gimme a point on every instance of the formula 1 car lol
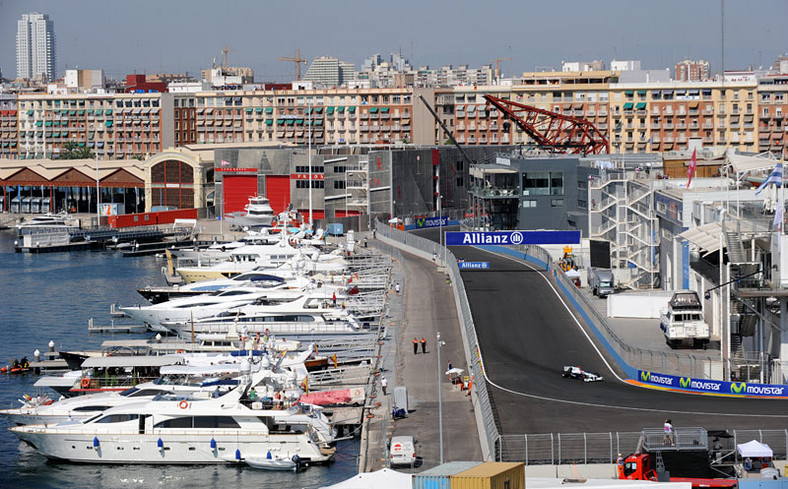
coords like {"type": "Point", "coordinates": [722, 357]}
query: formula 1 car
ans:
{"type": "Point", "coordinates": [571, 372]}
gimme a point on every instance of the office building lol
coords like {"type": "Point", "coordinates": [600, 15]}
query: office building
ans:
{"type": "Point", "coordinates": [690, 70]}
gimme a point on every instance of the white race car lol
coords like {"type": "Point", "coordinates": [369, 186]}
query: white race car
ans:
{"type": "Point", "coordinates": [571, 372]}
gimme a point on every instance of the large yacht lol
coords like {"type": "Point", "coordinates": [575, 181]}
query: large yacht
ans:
{"type": "Point", "coordinates": [312, 315]}
{"type": "Point", "coordinates": [257, 213]}
{"type": "Point", "coordinates": [193, 429]}
{"type": "Point", "coordinates": [46, 221]}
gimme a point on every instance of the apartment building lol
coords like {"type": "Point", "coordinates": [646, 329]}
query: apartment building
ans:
{"type": "Point", "coordinates": [115, 126]}
{"type": "Point", "coordinates": [8, 126]}
{"type": "Point", "coordinates": [667, 116]}
{"type": "Point", "coordinates": [772, 110]}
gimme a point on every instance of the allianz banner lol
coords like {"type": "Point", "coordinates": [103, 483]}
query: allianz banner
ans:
{"type": "Point", "coordinates": [743, 389]}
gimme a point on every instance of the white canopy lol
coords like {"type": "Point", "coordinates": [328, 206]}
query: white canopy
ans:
{"type": "Point", "coordinates": [743, 164]}
{"type": "Point", "coordinates": [706, 237]}
{"type": "Point", "coordinates": [754, 449]}
{"type": "Point", "coordinates": [390, 479]}
{"type": "Point", "coordinates": [572, 273]}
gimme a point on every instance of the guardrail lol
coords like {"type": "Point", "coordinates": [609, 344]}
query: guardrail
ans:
{"type": "Point", "coordinates": [485, 417]}
{"type": "Point", "coordinates": [586, 448]}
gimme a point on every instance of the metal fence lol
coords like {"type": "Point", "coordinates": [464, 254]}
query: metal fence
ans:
{"type": "Point", "coordinates": [586, 448]}
{"type": "Point", "coordinates": [482, 405]}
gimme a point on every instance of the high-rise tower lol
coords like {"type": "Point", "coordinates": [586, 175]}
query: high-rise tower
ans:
{"type": "Point", "coordinates": [35, 46]}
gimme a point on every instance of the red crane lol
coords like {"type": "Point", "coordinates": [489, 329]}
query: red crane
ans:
{"type": "Point", "coordinates": [563, 133]}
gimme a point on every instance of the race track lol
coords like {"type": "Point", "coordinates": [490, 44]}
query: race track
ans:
{"type": "Point", "coordinates": [527, 334]}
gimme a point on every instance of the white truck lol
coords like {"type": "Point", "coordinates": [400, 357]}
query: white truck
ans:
{"type": "Point", "coordinates": [682, 321]}
{"type": "Point", "coordinates": [601, 281]}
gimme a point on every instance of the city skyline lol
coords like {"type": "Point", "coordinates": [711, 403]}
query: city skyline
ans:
{"type": "Point", "coordinates": [93, 35]}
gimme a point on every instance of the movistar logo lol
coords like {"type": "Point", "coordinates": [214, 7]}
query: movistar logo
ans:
{"type": "Point", "coordinates": [685, 382]}
{"type": "Point", "coordinates": [644, 376]}
{"type": "Point", "coordinates": [738, 387]}
{"type": "Point", "coordinates": [420, 221]}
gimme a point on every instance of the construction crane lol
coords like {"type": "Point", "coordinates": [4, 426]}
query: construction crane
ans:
{"type": "Point", "coordinates": [558, 132]}
{"type": "Point", "coordinates": [297, 60]}
{"type": "Point", "coordinates": [225, 52]}
{"type": "Point", "coordinates": [497, 62]}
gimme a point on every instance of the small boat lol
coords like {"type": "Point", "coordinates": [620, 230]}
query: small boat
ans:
{"type": "Point", "coordinates": [270, 462]}
{"type": "Point", "coordinates": [257, 213]}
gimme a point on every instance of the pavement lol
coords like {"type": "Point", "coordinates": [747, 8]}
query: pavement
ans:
{"type": "Point", "coordinates": [424, 306]}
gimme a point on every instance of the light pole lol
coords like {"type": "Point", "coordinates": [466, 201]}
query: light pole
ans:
{"type": "Point", "coordinates": [440, 399]}
{"type": "Point", "coordinates": [310, 108]}
{"type": "Point", "coordinates": [98, 196]}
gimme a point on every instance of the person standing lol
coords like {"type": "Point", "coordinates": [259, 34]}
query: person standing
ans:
{"type": "Point", "coordinates": [449, 366]}
{"type": "Point", "coordinates": [396, 288]}
{"type": "Point", "coordinates": [423, 345]}
{"type": "Point", "coordinates": [384, 384]}
{"type": "Point", "coordinates": [415, 345]}
{"type": "Point", "coordinates": [669, 438]}
{"type": "Point", "coordinates": [334, 298]}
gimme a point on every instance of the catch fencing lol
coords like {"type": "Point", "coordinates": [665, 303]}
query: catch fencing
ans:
{"type": "Point", "coordinates": [590, 448]}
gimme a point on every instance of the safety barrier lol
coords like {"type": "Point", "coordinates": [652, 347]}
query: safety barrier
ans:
{"type": "Point", "coordinates": [485, 418]}
{"type": "Point", "coordinates": [588, 448]}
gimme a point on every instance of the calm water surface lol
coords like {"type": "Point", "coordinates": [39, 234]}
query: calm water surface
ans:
{"type": "Point", "coordinates": [50, 297]}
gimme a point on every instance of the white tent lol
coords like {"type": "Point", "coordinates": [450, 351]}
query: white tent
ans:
{"type": "Point", "coordinates": [754, 449]}
{"type": "Point", "coordinates": [390, 479]}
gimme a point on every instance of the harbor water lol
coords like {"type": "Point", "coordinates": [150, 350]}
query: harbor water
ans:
{"type": "Point", "coordinates": [51, 297]}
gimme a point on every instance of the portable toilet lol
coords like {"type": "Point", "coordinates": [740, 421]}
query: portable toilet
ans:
{"type": "Point", "coordinates": [440, 477]}
{"type": "Point", "coordinates": [46, 207]}
{"type": "Point", "coordinates": [26, 205]}
{"type": "Point", "coordinates": [491, 475]}
{"type": "Point", "coordinates": [15, 205]}
{"type": "Point", "coordinates": [35, 205]}
{"type": "Point", "coordinates": [401, 397]}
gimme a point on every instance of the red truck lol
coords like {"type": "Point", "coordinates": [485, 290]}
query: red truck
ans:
{"type": "Point", "coordinates": [684, 458]}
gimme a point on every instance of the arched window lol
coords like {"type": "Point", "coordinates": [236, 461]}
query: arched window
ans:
{"type": "Point", "coordinates": [172, 184]}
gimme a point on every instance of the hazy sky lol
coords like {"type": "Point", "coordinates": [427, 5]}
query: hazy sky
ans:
{"type": "Point", "coordinates": [186, 35]}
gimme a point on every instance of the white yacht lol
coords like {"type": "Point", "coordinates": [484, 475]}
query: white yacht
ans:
{"type": "Point", "coordinates": [46, 221]}
{"type": "Point", "coordinates": [309, 316]}
{"type": "Point", "coordinates": [245, 259]}
{"type": "Point", "coordinates": [194, 429]}
{"type": "Point", "coordinates": [221, 251]}
{"type": "Point", "coordinates": [258, 278]}
{"type": "Point", "coordinates": [257, 213]}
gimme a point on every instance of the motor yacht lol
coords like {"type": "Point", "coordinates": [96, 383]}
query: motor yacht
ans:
{"type": "Point", "coordinates": [257, 213]}
{"type": "Point", "coordinates": [193, 429]}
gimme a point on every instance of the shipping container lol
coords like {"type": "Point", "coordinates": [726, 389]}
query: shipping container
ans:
{"type": "Point", "coordinates": [150, 218]}
{"type": "Point", "coordinates": [491, 475]}
{"type": "Point", "coordinates": [440, 477]}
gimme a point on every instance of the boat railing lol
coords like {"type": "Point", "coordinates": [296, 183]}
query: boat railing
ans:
{"type": "Point", "coordinates": [113, 382]}
{"type": "Point", "coordinates": [277, 328]}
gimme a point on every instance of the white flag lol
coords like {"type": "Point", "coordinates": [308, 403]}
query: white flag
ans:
{"type": "Point", "coordinates": [778, 214]}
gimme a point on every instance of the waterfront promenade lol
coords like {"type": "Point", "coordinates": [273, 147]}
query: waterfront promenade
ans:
{"type": "Point", "coordinates": [424, 306]}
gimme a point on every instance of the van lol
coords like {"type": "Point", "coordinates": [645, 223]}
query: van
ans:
{"type": "Point", "coordinates": [402, 451]}
{"type": "Point", "coordinates": [601, 282]}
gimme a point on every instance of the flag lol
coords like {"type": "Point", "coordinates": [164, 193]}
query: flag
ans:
{"type": "Point", "coordinates": [778, 215]}
{"type": "Point", "coordinates": [305, 384]}
{"type": "Point", "coordinates": [334, 359]}
{"type": "Point", "coordinates": [692, 168]}
{"type": "Point", "coordinates": [775, 177]}
{"type": "Point", "coordinates": [225, 162]}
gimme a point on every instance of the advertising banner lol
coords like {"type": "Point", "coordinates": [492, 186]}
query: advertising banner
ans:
{"type": "Point", "coordinates": [743, 389]}
{"type": "Point", "coordinates": [473, 265]}
{"type": "Point", "coordinates": [476, 238]}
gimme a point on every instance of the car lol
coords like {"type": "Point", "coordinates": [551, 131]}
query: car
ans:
{"type": "Point", "coordinates": [572, 372]}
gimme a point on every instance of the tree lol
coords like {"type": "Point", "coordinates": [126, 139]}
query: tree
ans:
{"type": "Point", "coordinates": [73, 151]}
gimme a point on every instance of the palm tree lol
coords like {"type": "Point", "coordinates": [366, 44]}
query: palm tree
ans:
{"type": "Point", "coordinates": [73, 151]}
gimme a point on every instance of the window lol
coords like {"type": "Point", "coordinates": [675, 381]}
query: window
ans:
{"type": "Point", "coordinates": [529, 204]}
{"type": "Point", "coordinates": [118, 418]}
{"type": "Point", "coordinates": [460, 182]}
{"type": "Point", "coordinates": [556, 202]}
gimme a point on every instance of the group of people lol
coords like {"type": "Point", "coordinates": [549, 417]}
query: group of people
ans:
{"type": "Point", "coordinates": [23, 363]}
{"type": "Point", "coordinates": [416, 345]}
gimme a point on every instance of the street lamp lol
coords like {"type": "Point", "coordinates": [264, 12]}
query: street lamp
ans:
{"type": "Point", "coordinates": [440, 398]}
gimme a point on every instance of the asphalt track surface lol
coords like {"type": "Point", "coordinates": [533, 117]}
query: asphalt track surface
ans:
{"type": "Point", "coordinates": [527, 334]}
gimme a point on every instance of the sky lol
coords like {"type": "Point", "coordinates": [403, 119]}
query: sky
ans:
{"type": "Point", "coordinates": [175, 36]}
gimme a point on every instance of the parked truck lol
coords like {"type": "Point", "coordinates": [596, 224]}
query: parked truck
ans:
{"type": "Point", "coordinates": [684, 457]}
{"type": "Point", "coordinates": [682, 321]}
{"type": "Point", "coordinates": [601, 281]}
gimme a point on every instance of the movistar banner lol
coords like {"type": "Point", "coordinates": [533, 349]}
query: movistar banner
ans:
{"type": "Point", "coordinates": [743, 389]}
{"type": "Point", "coordinates": [431, 222]}
{"type": "Point", "coordinates": [476, 238]}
